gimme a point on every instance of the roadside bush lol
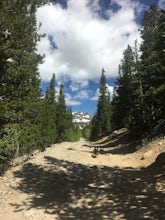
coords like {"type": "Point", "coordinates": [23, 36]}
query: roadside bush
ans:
{"type": "Point", "coordinates": [9, 144]}
{"type": "Point", "coordinates": [73, 134]}
{"type": "Point", "coordinates": [86, 132]}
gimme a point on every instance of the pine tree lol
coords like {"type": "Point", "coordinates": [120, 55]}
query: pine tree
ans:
{"type": "Point", "coordinates": [137, 124]}
{"type": "Point", "coordinates": [51, 92]}
{"type": "Point", "coordinates": [160, 83]}
{"type": "Point", "coordinates": [61, 116]}
{"type": "Point", "coordinates": [153, 67]}
{"type": "Point", "coordinates": [19, 77]}
{"type": "Point", "coordinates": [20, 80]}
{"type": "Point", "coordinates": [138, 102]}
{"type": "Point", "coordinates": [66, 129]}
{"type": "Point", "coordinates": [47, 115]}
{"type": "Point", "coordinates": [123, 100]}
{"type": "Point", "coordinates": [101, 123]}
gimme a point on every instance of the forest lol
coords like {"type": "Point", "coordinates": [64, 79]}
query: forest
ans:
{"type": "Point", "coordinates": [138, 99]}
{"type": "Point", "coordinates": [29, 121]}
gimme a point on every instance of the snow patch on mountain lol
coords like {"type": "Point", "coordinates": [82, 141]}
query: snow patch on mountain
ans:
{"type": "Point", "coordinates": [81, 119]}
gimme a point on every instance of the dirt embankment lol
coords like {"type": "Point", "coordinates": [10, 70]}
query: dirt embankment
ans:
{"type": "Point", "coordinates": [72, 181]}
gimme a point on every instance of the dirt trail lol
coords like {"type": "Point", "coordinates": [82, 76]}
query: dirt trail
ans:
{"type": "Point", "coordinates": [67, 181]}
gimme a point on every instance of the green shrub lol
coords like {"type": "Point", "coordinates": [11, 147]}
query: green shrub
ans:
{"type": "Point", "coordinates": [73, 134]}
{"type": "Point", "coordinates": [86, 133]}
{"type": "Point", "coordinates": [9, 143]}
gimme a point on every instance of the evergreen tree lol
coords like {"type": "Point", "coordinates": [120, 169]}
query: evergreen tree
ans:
{"type": "Point", "coordinates": [153, 67]}
{"type": "Point", "coordinates": [47, 115]}
{"type": "Point", "coordinates": [137, 124]}
{"type": "Point", "coordinates": [63, 116]}
{"type": "Point", "coordinates": [19, 77]}
{"type": "Point", "coordinates": [138, 102]}
{"type": "Point", "coordinates": [51, 92]}
{"type": "Point", "coordinates": [101, 123]}
{"type": "Point", "coordinates": [123, 100]}
{"type": "Point", "coordinates": [160, 82]}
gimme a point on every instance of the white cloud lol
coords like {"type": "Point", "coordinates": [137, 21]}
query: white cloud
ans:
{"type": "Point", "coordinates": [85, 42]}
{"type": "Point", "coordinates": [70, 101]}
{"type": "Point", "coordinates": [161, 4]}
{"type": "Point", "coordinates": [76, 85]}
{"type": "Point", "coordinates": [82, 94]}
{"type": "Point", "coordinates": [76, 99]}
{"type": "Point", "coordinates": [95, 97]}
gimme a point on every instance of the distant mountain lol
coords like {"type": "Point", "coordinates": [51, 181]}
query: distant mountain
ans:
{"type": "Point", "coordinates": [82, 119]}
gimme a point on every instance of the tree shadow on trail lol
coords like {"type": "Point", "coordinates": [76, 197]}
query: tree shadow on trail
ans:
{"type": "Point", "coordinates": [120, 143]}
{"type": "Point", "coordinates": [74, 191]}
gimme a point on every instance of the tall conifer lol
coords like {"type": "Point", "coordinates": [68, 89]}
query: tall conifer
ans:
{"type": "Point", "coordinates": [101, 123]}
{"type": "Point", "coordinates": [152, 62]}
{"type": "Point", "coordinates": [19, 77]}
{"type": "Point", "coordinates": [123, 101]}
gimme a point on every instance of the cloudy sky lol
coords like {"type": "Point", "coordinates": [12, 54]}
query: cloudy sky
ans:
{"type": "Point", "coordinates": [84, 36]}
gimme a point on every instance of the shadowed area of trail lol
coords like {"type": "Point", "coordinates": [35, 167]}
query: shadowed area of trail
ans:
{"type": "Point", "coordinates": [67, 190]}
{"type": "Point", "coordinates": [65, 182]}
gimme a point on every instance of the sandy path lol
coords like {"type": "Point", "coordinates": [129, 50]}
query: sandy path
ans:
{"type": "Point", "coordinates": [65, 182]}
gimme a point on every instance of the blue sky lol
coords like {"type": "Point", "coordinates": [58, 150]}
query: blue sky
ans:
{"type": "Point", "coordinates": [82, 37]}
